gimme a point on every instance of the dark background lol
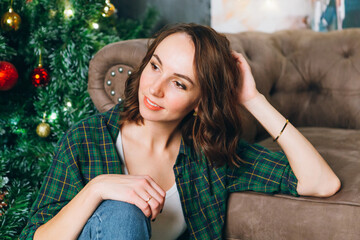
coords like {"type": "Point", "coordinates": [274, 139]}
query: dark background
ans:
{"type": "Point", "coordinates": [169, 11]}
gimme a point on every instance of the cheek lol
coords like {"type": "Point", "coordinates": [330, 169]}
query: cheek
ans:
{"type": "Point", "coordinates": [181, 103]}
{"type": "Point", "coordinates": [145, 75]}
{"type": "Point", "coordinates": [143, 83]}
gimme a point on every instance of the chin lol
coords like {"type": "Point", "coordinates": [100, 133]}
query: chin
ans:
{"type": "Point", "coordinates": [152, 116]}
{"type": "Point", "coordinates": [149, 115]}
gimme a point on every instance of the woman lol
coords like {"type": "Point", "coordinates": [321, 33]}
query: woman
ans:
{"type": "Point", "coordinates": [178, 137]}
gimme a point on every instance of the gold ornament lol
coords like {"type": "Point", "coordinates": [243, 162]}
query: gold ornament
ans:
{"type": "Point", "coordinates": [10, 21]}
{"type": "Point", "coordinates": [109, 9]}
{"type": "Point", "coordinates": [43, 129]}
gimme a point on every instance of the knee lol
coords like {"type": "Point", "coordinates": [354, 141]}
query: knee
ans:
{"type": "Point", "coordinates": [120, 212]}
{"type": "Point", "coordinates": [117, 220]}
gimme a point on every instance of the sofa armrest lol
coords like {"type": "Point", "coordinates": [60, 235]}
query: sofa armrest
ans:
{"type": "Point", "coordinates": [110, 68]}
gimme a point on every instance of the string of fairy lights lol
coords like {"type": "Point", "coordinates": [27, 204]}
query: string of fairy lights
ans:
{"type": "Point", "coordinates": [11, 22]}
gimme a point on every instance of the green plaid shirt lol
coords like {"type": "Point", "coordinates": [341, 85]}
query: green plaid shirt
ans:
{"type": "Point", "coordinates": [88, 149]}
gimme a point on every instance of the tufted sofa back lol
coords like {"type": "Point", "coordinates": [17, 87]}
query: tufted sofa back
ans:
{"type": "Point", "coordinates": [312, 78]}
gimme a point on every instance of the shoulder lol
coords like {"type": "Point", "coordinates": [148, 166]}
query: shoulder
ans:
{"type": "Point", "coordinates": [94, 125]}
{"type": "Point", "coordinates": [110, 117]}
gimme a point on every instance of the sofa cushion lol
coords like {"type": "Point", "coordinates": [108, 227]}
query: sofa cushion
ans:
{"type": "Point", "coordinates": [312, 78]}
{"type": "Point", "coordinates": [255, 216]}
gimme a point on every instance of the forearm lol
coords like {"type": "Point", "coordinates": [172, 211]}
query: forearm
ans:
{"type": "Point", "coordinates": [69, 222]}
{"type": "Point", "coordinates": [314, 175]}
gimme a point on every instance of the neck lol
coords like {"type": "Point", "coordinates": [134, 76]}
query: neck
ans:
{"type": "Point", "coordinates": [157, 136]}
{"type": "Point", "coordinates": [161, 135]}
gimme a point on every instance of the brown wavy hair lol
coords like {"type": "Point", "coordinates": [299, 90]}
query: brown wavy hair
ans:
{"type": "Point", "coordinates": [216, 129]}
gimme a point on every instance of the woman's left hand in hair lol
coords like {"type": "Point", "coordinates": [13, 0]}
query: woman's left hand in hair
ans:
{"type": "Point", "coordinates": [247, 90]}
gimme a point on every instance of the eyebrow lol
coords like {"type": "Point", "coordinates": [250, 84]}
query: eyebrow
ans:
{"type": "Point", "coordinates": [176, 74]}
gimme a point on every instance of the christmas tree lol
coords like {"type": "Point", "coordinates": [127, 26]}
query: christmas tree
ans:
{"type": "Point", "coordinates": [45, 49]}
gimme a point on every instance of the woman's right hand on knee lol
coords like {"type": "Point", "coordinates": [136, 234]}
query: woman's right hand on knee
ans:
{"type": "Point", "coordinates": [142, 191]}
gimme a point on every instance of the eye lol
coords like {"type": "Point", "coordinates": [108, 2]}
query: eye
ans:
{"type": "Point", "coordinates": [154, 66]}
{"type": "Point", "coordinates": [180, 85]}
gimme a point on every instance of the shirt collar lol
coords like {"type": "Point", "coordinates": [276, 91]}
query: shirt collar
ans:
{"type": "Point", "coordinates": [183, 147]}
{"type": "Point", "coordinates": [187, 151]}
{"type": "Point", "coordinates": [112, 118]}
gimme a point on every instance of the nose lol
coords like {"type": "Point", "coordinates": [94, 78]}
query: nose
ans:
{"type": "Point", "coordinates": [157, 88]}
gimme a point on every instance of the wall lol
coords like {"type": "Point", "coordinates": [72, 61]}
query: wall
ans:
{"type": "Point", "coordinates": [239, 15]}
{"type": "Point", "coordinates": [170, 11]}
{"type": "Point", "coordinates": [259, 15]}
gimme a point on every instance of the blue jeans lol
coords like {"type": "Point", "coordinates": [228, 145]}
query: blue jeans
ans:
{"type": "Point", "coordinates": [117, 220]}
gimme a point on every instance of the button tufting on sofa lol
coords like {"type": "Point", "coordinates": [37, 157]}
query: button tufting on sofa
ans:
{"type": "Point", "coordinates": [314, 87]}
{"type": "Point", "coordinates": [347, 54]}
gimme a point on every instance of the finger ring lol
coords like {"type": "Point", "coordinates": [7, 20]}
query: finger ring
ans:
{"type": "Point", "coordinates": [148, 199]}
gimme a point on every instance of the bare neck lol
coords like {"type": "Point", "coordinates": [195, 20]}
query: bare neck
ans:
{"type": "Point", "coordinates": [156, 136]}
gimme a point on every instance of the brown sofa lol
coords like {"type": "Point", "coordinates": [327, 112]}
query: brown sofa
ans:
{"type": "Point", "coordinates": [311, 78]}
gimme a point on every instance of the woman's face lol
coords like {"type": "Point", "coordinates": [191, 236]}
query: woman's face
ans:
{"type": "Point", "coordinates": [168, 89]}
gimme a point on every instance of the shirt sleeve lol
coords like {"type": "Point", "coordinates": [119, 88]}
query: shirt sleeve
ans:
{"type": "Point", "coordinates": [261, 170]}
{"type": "Point", "coordinates": [58, 187]}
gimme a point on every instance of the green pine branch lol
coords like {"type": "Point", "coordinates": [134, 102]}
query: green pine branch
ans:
{"type": "Point", "coordinates": [66, 44]}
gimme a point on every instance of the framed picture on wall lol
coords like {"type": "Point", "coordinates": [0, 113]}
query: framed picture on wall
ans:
{"type": "Point", "coordinates": [259, 15]}
{"type": "Point", "coordinates": [341, 14]}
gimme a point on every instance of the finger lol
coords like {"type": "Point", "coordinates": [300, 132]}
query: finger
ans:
{"type": "Point", "coordinates": [244, 65]}
{"type": "Point", "coordinates": [155, 186]}
{"type": "Point", "coordinates": [237, 55]}
{"type": "Point", "coordinates": [138, 201]}
{"type": "Point", "coordinates": [152, 202]}
{"type": "Point", "coordinates": [156, 192]}
{"type": "Point", "coordinates": [147, 183]}
{"type": "Point", "coordinates": [146, 191]}
{"type": "Point", "coordinates": [242, 59]}
{"type": "Point", "coordinates": [155, 207]}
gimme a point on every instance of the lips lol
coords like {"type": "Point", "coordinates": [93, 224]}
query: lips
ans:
{"type": "Point", "coordinates": [151, 105]}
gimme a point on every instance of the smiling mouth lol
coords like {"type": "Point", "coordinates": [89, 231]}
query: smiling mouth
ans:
{"type": "Point", "coordinates": [152, 106]}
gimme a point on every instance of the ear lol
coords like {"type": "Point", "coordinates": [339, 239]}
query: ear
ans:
{"type": "Point", "coordinates": [196, 108]}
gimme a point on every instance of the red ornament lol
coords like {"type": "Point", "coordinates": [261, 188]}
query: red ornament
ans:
{"type": "Point", "coordinates": [40, 77]}
{"type": "Point", "coordinates": [8, 76]}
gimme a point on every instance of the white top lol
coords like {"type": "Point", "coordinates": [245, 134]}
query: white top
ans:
{"type": "Point", "coordinates": [170, 223]}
